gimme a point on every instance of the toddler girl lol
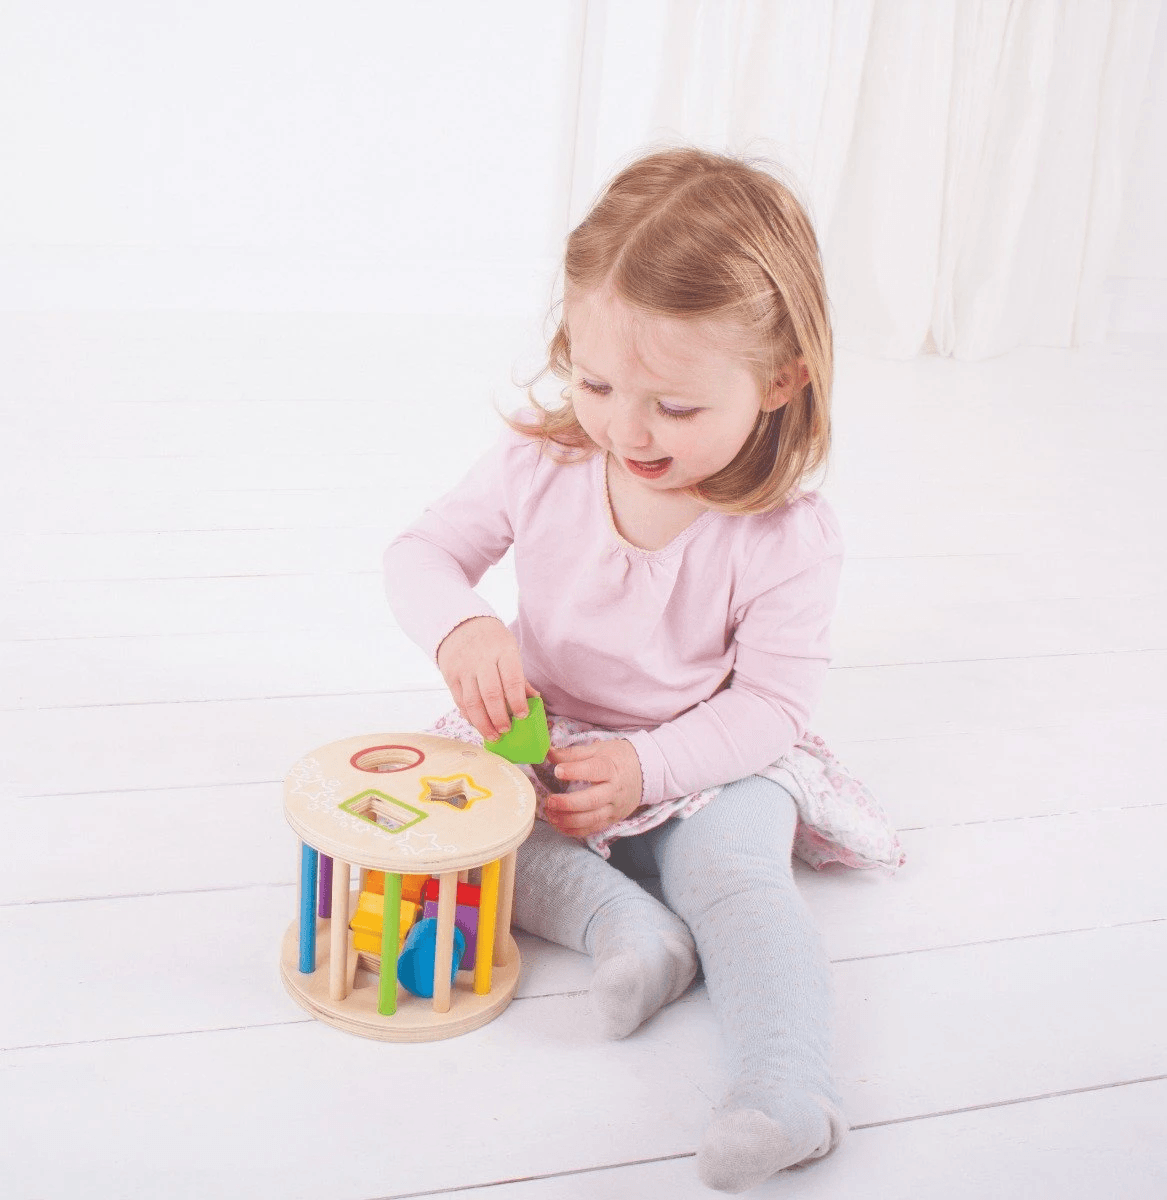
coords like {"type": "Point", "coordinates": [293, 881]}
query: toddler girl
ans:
{"type": "Point", "coordinates": [675, 593]}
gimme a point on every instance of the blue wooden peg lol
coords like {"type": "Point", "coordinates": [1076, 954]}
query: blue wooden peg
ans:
{"type": "Point", "coordinates": [308, 857]}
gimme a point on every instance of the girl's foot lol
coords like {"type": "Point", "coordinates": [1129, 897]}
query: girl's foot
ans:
{"type": "Point", "coordinates": [644, 957]}
{"type": "Point", "coordinates": [744, 1147]}
{"type": "Point", "coordinates": [641, 971]}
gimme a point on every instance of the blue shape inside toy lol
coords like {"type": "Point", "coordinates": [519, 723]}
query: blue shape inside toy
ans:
{"type": "Point", "coordinates": [415, 965]}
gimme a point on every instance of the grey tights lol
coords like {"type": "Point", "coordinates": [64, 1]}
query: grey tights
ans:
{"type": "Point", "coordinates": [729, 897]}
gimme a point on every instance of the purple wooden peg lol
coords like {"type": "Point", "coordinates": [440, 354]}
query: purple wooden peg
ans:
{"type": "Point", "coordinates": [465, 919]}
{"type": "Point", "coordinates": [325, 908]}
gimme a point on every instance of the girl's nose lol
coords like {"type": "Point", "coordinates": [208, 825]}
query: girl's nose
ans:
{"type": "Point", "coordinates": [629, 429]}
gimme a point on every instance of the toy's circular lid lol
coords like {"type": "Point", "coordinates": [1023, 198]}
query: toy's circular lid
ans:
{"type": "Point", "coordinates": [409, 802]}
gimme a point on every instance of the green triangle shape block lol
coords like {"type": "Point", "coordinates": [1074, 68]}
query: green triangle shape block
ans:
{"type": "Point", "coordinates": [528, 739]}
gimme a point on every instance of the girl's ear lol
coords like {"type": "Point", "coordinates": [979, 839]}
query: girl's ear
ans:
{"type": "Point", "coordinates": [791, 380]}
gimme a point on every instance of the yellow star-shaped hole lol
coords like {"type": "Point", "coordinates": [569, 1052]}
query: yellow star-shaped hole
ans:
{"type": "Point", "coordinates": [458, 791]}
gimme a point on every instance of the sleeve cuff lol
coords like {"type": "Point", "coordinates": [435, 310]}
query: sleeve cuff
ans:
{"type": "Point", "coordinates": [652, 767]}
{"type": "Point", "coordinates": [448, 626]}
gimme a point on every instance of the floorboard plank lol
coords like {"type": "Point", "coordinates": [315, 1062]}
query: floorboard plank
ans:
{"type": "Point", "coordinates": [1005, 879]}
{"type": "Point", "coordinates": [922, 532]}
{"type": "Point", "coordinates": [341, 655]}
{"type": "Point", "coordinates": [1076, 1147]}
{"type": "Point", "coordinates": [142, 746]}
{"type": "Point", "coordinates": [962, 884]}
{"type": "Point", "coordinates": [875, 593]}
{"type": "Point", "coordinates": [142, 966]}
{"type": "Point", "coordinates": [998, 774]}
{"type": "Point", "coordinates": [66, 557]}
{"type": "Point", "coordinates": [136, 747]}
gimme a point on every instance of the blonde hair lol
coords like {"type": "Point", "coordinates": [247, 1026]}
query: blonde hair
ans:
{"type": "Point", "coordinates": [689, 234]}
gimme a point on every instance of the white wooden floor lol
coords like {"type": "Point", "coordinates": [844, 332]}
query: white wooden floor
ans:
{"type": "Point", "coordinates": [193, 511]}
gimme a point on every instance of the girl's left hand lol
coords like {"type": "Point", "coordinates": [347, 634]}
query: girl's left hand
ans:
{"type": "Point", "coordinates": [613, 768]}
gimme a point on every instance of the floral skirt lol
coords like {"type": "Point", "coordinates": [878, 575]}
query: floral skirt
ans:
{"type": "Point", "coordinates": [839, 820]}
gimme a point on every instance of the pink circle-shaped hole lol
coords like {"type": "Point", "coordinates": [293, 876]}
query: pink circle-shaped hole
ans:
{"type": "Point", "coordinates": [383, 759]}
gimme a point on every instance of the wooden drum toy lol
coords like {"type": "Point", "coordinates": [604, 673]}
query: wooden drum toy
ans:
{"type": "Point", "coordinates": [423, 948]}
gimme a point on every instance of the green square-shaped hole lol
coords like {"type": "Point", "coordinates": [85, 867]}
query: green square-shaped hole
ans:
{"type": "Point", "coordinates": [386, 812]}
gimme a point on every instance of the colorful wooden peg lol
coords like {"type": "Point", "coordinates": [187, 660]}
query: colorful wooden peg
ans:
{"type": "Point", "coordinates": [487, 913]}
{"type": "Point", "coordinates": [308, 857]}
{"type": "Point", "coordinates": [325, 907]}
{"type": "Point", "coordinates": [390, 920]}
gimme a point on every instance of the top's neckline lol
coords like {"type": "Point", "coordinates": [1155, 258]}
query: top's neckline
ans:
{"type": "Point", "coordinates": [600, 474]}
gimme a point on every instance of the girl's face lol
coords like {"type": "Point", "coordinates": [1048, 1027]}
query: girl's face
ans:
{"type": "Point", "coordinates": [662, 396]}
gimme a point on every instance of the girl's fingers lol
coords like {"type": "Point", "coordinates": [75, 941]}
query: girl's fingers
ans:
{"type": "Point", "coordinates": [475, 712]}
{"type": "Point", "coordinates": [494, 700]}
{"type": "Point", "coordinates": [585, 800]}
{"type": "Point", "coordinates": [514, 686]}
{"type": "Point", "coordinates": [591, 769]}
{"type": "Point", "coordinates": [573, 753]}
{"type": "Point", "coordinates": [581, 812]}
{"type": "Point", "coordinates": [584, 824]}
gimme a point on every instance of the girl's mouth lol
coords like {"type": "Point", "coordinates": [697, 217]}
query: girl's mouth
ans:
{"type": "Point", "coordinates": [648, 470]}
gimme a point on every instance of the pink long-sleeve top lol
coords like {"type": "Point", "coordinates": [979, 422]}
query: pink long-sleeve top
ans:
{"type": "Point", "coordinates": [710, 653]}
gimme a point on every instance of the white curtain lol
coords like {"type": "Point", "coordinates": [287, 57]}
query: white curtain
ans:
{"type": "Point", "coordinates": [963, 160]}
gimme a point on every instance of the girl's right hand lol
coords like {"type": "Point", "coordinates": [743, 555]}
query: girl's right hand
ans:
{"type": "Point", "coordinates": [479, 660]}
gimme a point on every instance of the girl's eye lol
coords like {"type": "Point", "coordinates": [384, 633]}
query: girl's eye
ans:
{"type": "Point", "coordinates": [678, 414]}
{"type": "Point", "coordinates": [667, 410]}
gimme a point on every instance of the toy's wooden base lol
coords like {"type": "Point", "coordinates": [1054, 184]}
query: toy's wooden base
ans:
{"type": "Point", "coordinates": [415, 1019]}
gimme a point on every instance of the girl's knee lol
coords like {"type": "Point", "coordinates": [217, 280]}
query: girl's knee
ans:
{"type": "Point", "coordinates": [544, 840]}
{"type": "Point", "coordinates": [751, 821]}
{"type": "Point", "coordinates": [739, 843]}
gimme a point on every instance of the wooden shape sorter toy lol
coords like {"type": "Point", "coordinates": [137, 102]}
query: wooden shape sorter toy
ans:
{"type": "Point", "coordinates": [412, 812]}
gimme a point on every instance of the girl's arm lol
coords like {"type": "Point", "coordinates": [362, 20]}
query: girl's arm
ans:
{"type": "Point", "coordinates": [431, 569]}
{"type": "Point", "coordinates": [780, 668]}
{"type": "Point", "coordinates": [782, 654]}
{"type": "Point", "coordinates": [430, 573]}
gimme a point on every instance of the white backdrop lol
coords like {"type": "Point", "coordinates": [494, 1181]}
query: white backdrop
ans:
{"type": "Point", "coordinates": [965, 161]}
{"type": "Point", "coordinates": [983, 174]}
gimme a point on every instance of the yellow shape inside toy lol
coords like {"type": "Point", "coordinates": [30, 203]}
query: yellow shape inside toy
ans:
{"type": "Point", "coordinates": [369, 920]}
{"type": "Point", "coordinates": [458, 791]}
{"type": "Point", "coordinates": [411, 885]}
